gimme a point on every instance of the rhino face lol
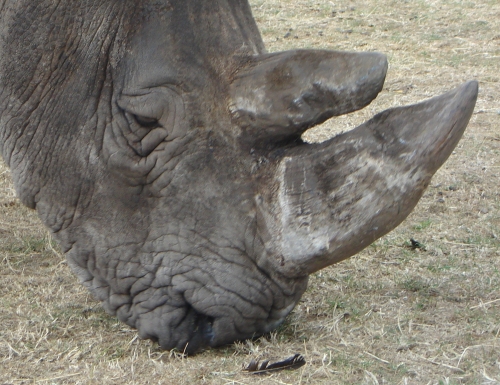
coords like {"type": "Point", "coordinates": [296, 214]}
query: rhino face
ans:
{"type": "Point", "coordinates": [161, 146]}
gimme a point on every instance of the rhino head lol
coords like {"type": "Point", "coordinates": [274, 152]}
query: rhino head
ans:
{"type": "Point", "coordinates": [161, 145]}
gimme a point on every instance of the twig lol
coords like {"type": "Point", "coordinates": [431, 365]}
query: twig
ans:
{"type": "Point", "coordinates": [371, 12]}
{"type": "Point", "coordinates": [399, 323]}
{"type": "Point", "coordinates": [58, 378]}
{"type": "Point", "coordinates": [232, 381]}
{"type": "Point", "coordinates": [441, 364]}
{"type": "Point", "coordinates": [11, 349]}
{"type": "Point", "coordinates": [6, 259]}
{"type": "Point", "coordinates": [471, 347]}
{"type": "Point", "coordinates": [485, 303]}
{"type": "Point", "coordinates": [51, 248]}
{"type": "Point", "coordinates": [489, 378]}
{"type": "Point", "coordinates": [458, 244]}
{"type": "Point", "coordinates": [377, 358]}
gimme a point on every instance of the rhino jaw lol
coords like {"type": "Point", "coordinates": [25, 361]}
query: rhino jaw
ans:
{"type": "Point", "coordinates": [335, 198]}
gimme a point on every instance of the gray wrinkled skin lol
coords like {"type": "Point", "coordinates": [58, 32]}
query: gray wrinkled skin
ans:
{"type": "Point", "coordinates": [161, 146]}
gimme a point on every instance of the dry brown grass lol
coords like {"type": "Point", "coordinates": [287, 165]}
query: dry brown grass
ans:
{"type": "Point", "coordinates": [389, 315]}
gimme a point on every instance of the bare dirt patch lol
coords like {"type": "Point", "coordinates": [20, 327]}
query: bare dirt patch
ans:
{"type": "Point", "coordinates": [390, 315]}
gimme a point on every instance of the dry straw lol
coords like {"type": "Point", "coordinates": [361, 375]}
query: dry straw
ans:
{"type": "Point", "coordinates": [390, 315]}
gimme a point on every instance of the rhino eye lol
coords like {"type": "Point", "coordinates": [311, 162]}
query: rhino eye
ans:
{"type": "Point", "coordinates": [146, 122]}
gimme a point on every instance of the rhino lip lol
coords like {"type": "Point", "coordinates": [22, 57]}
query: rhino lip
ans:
{"type": "Point", "coordinates": [335, 198]}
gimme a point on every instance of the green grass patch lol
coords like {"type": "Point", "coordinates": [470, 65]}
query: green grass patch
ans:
{"type": "Point", "coordinates": [423, 225]}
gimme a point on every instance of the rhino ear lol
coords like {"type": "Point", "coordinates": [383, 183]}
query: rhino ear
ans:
{"type": "Point", "coordinates": [276, 97]}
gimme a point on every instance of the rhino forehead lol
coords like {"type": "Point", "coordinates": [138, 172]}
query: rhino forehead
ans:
{"type": "Point", "coordinates": [47, 44]}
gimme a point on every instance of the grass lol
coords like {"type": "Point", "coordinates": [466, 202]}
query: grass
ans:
{"type": "Point", "coordinates": [390, 315]}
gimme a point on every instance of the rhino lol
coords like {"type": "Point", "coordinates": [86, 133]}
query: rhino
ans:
{"type": "Point", "coordinates": [162, 147]}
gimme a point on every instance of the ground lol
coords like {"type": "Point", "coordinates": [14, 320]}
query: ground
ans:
{"type": "Point", "coordinates": [390, 315]}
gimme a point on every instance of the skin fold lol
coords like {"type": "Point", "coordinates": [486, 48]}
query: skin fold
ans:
{"type": "Point", "coordinates": [161, 145]}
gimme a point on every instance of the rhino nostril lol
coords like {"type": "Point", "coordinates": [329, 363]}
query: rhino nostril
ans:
{"type": "Point", "coordinates": [204, 325]}
{"type": "Point", "coordinates": [202, 334]}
